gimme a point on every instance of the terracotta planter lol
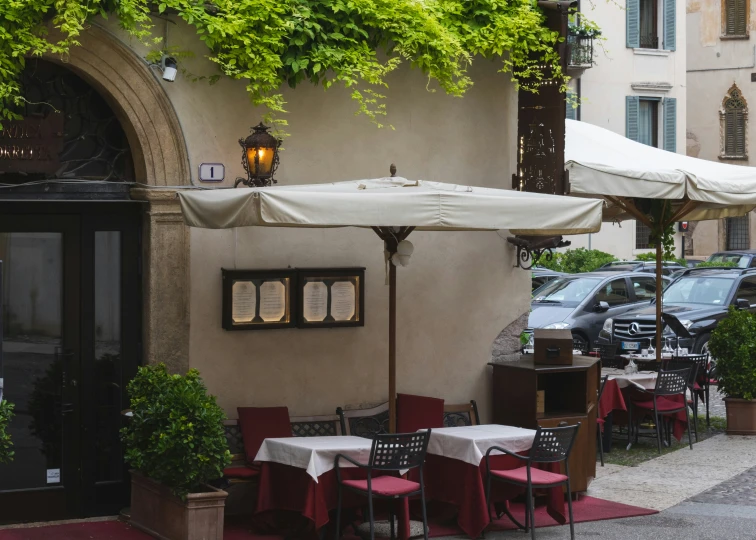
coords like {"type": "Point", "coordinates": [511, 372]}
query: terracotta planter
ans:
{"type": "Point", "coordinates": [741, 416]}
{"type": "Point", "coordinates": [156, 511]}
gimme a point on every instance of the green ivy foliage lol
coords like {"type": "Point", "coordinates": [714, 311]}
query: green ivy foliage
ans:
{"type": "Point", "coordinates": [726, 264]}
{"type": "Point", "coordinates": [733, 344]}
{"type": "Point", "coordinates": [175, 435]}
{"type": "Point", "coordinates": [577, 260]}
{"type": "Point", "coordinates": [6, 445]}
{"type": "Point", "coordinates": [268, 43]}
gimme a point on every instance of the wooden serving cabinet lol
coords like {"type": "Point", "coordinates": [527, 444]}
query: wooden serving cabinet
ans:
{"type": "Point", "coordinates": [569, 394]}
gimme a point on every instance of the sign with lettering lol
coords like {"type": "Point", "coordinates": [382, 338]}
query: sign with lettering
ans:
{"type": "Point", "coordinates": [31, 145]}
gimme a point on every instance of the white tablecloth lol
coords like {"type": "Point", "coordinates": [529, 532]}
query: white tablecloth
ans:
{"type": "Point", "coordinates": [642, 380]}
{"type": "Point", "coordinates": [470, 443]}
{"type": "Point", "coordinates": [315, 454]}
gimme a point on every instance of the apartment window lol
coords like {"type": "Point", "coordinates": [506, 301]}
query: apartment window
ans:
{"type": "Point", "coordinates": [643, 116]}
{"type": "Point", "coordinates": [733, 117]}
{"type": "Point", "coordinates": [649, 33]}
{"type": "Point", "coordinates": [650, 24]}
{"type": "Point", "coordinates": [736, 233]}
{"type": "Point", "coordinates": [735, 18]}
{"type": "Point", "coordinates": [642, 233]}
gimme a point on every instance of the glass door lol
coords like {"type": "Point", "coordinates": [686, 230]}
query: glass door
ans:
{"type": "Point", "coordinates": [40, 365]}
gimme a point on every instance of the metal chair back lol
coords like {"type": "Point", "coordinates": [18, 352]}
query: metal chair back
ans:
{"type": "Point", "coordinates": [695, 364]}
{"type": "Point", "coordinates": [608, 356]}
{"type": "Point", "coordinates": [601, 388]}
{"type": "Point", "coordinates": [553, 444]}
{"type": "Point", "coordinates": [399, 451]}
{"type": "Point", "coordinates": [672, 382]}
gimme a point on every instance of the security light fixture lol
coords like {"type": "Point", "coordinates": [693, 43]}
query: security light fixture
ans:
{"type": "Point", "coordinates": [259, 157]}
{"type": "Point", "coordinates": [168, 66]}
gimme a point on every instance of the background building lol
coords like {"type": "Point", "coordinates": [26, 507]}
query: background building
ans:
{"type": "Point", "coordinates": [721, 74]}
{"type": "Point", "coordinates": [636, 87]}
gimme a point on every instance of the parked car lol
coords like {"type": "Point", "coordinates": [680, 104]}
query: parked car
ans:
{"type": "Point", "coordinates": [648, 267]}
{"type": "Point", "coordinates": [582, 302]}
{"type": "Point", "coordinates": [743, 258]}
{"type": "Point", "coordinates": [541, 275]}
{"type": "Point", "coordinates": [699, 298]}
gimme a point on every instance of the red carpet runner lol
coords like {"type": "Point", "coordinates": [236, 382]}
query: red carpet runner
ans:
{"type": "Point", "coordinates": [587, 509]}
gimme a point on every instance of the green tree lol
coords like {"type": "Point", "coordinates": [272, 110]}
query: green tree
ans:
{"type": "Point", "coordinates": [6, 445]}
{"type": "Point", "coordinates": [733, 344]}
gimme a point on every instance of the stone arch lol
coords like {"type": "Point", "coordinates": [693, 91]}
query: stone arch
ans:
{"type": "Point", "coordinates": [142, 106]}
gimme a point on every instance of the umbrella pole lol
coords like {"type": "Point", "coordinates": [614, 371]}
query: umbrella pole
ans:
{"type": "Point", "coordinates": [659, 285]}
{"type": "Point", "coordinates": [392, 348]}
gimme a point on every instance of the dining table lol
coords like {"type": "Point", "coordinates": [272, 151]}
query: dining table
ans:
{"type": "Point", "coordinates": [297, 474]}
{"type": "Point", "coordinates": [455, 471]}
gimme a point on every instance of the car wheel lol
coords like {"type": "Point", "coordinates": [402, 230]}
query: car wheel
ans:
{"type": "Point", "coordinates": [702, 347]}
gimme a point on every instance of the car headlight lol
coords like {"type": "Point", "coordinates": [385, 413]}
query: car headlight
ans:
{"type": "Point", "coordinates": [557, 326]}
{"type": "Point", "coordinates": [608, 326]}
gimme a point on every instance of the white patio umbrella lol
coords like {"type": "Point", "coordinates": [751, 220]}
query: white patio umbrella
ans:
{"type": "Point", "coordinates": [393, 208]}
{"type": "Point", "coordinates": [654, 186]}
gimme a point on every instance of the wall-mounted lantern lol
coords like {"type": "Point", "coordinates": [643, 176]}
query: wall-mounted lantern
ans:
{"type": "Point", "coordinates": [259, 157]}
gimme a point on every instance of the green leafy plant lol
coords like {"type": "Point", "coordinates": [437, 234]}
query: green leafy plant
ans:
{"type": "Point", "coordinates": [175, 435]}
{"type": "Point", "coordinates": [269, 43]}
{"type": "Point", "coordinates": [6, 445]}
{"type": "Point", "coordinates": [733, 344]}
{"type": "Point", "coordinates": [577, 260]}
{"type": "Point", "coordinates": [651, 257]}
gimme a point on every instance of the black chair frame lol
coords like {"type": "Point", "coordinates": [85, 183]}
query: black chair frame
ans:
{"type": "Point", "coordinates": [699, 363]}
{"type": "Point", "coordinates": [550, 445]}
{"type": "Point", "coordinates": [389, 453]}
{"type": "Point", "coordinates": [668, 383]}
{"type": "Point", "coordinates": [609, 357]}
{"type": "Point", "coordinates": [598, 425]}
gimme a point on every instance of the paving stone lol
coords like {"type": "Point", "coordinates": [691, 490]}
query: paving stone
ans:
{"type": "Point", "coordinates": [740, 490]}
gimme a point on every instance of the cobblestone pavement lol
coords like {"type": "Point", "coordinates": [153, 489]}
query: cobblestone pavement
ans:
{"type": "Point", "coordinates": [740, 490]}
{"type": "Point", "coordinates": [716, 404]}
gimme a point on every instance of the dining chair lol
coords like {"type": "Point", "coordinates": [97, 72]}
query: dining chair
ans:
{"type": "Point", "coordinates": [600, 421]}
{"type": "Point", "coordinates": [669, 383]}
{"type": "Point", "coordinates": [260, 423]}
{"type": "Point", "coordinates": [609, 357]}
{"type": "Point", "coordinates": [397, 453]}
{"type": "Point", "coordinates": [550, 445]}
{"type": "Point", "coordinates": [698, 363]}
{"type": "Point", "coordinates": [418, 412]}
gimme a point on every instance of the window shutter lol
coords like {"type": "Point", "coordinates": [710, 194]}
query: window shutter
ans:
{"type": "Point", "coordinates": [632, 104]}
{"type": "Point", "coordinates": [670, 25]}
{"type": "Point", "coordinates": [670, 124]}
{"type": "Point", "coordinates": [633, 23]}
{"type": "Point", "coordinates": [736, 18]}
{"type": "Point", "coordinates": [571, 111]}
{"type": "Point", "coordinates": [735, 133]}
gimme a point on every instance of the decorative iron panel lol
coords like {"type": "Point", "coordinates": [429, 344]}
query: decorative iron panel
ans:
{"type": "Point", "coordinates": [315, 429]}
{"type": "Point", "coordinates": [234, 438]}
{"type": "Point", "coordinates": [455, 419]}
{"type": "Point", "coordinates": [95, 146]}
{"type": "Point", "coordinates": [369, 426]}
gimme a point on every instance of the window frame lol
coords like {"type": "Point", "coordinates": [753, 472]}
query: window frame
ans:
{"type": "Point", "coordinates": [751, 281]}
{"type": "Point", "coordinates": [651, 279]}
{"type": "Point", "coordinates": [640, 225]}
{"type": "Point", "coordinates": [654, 46]}
{"type": "Point", "coordinates": [733, 101]}
{"type": "Point", "coordinates": [607, 284]}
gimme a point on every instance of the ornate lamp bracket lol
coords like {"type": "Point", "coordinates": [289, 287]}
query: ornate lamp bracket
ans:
{"type": "Point", "coordinates": [530, 249]}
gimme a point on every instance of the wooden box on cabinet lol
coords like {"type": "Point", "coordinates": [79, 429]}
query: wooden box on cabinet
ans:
{"type": "Point", "coordinates": [571, 393]}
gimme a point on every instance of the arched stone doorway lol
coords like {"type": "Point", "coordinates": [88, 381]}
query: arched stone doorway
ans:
{"type": "Point", "coordinates": [97, 252]}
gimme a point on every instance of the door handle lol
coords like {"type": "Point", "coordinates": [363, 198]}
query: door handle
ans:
{"type": "Point", "coordinates": [65, 356]}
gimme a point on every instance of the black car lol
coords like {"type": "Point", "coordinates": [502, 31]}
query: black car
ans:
{"type": "Point", "coordinates": [699, 298]}
{"type": "Point", "coordinates": [647, 267]}
{"type": "Point", "coordinates": [745, 258]}
{"type": "Point", "coordinates": [581, 302]}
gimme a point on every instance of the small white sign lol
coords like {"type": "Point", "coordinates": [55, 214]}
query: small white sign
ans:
{"type": "Point", "coordinates": [53, 476]}
{"type": "Point", "coordinates": [212, 172]}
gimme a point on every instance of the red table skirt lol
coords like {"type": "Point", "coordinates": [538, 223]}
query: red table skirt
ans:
{"type": "Point", "coordinates": [611, 400]}
{"type": "Point", "coordinates": [463, 485]}
{"type": "Point", "coordinates": [287, 488]}
{"type": "Point", "coordinates": [680, 418]}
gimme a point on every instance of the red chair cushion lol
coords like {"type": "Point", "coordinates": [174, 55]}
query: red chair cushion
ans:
{"type": "Point", "coordinates": [662, 404]}
{"type": "Point", "coordinates": [537, 476]}
{"type": "Point", "coordinates": [418, 412]}
{"type": "Point", "coordinates": [241, 472]}
{"type": "Point", "coordinates": [260, 423]}
{"type": "Point", "coordinates": [389, 486]}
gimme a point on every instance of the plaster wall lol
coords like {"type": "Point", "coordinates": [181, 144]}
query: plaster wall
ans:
{"type": "Point", "coordinates": [714, 65]}
{"type": "Point", "coordinates": [458, 293]}
{"type": "Point", "coordinates": [619, 72]}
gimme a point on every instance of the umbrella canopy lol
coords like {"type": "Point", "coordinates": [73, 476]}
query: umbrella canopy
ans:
{"type": "Point", "coordinates": [390, 202]}
{"type": "Point", "coordinates": [628, 174]}
{"type": "Point", "coordinates": [605, 164]}
{"type": "Point", "coordinates": [393, 208]}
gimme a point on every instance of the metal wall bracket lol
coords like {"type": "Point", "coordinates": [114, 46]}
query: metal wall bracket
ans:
{"type": "Point", "coordinates": [530, 249]}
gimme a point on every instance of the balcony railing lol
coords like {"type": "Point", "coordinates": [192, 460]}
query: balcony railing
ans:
{"type": "Point", "coordinates": [581, 51]}
{"type": "Point", "coordinates": [649, 42]}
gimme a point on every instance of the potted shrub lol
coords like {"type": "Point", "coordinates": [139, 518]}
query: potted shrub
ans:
{"type": "Point", "coordinates": [6, 445]}
{"type": "Point", "coordinates": [176, 444]}
{"type": "Point", "coordinates": [733, 344]}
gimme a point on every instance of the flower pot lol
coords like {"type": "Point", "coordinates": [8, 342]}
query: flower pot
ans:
{"type": "Point", "coordinates": [741, 416]}
{"type": "Point", "coordinates": [158, 512]}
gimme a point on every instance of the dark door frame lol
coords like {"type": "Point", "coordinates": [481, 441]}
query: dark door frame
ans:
{"type": "Point", "coordinates": [80, 495]}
